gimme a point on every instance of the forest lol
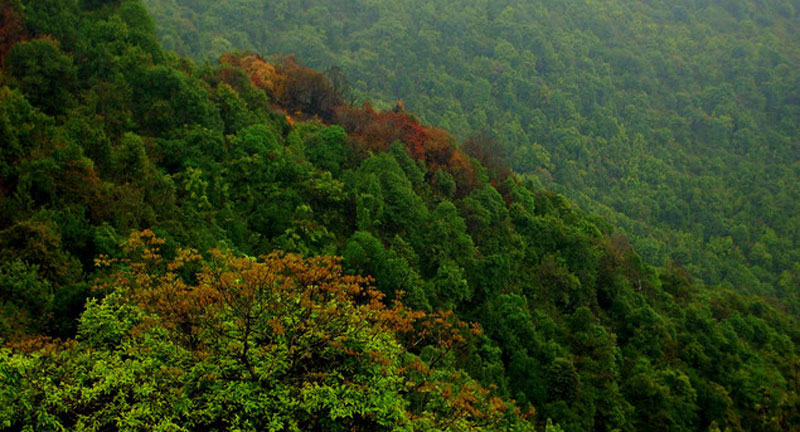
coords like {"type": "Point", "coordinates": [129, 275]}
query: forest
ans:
{"type": "Point", "coordinates": [677, 121]}
{"type": "Point", "coordinates": [251, 244]}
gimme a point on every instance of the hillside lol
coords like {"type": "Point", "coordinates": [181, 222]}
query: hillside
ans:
{"type": "Point", "coordinates": [237, 247]}
{"type": "Point", "coordinates": [678, 121]}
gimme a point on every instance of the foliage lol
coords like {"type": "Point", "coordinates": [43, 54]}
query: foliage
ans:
{"type": "Point", "coordinates": [242, 159]}
{"type": "Point", "coordinates": [678, 121]}
{"type": "Point", "coordinates": [45, 74]}
{"type": "Point", "coordinates": [281, 343]}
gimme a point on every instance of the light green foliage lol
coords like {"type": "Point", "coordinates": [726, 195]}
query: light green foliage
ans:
{"type": "Point", "coordinates": [280, 344]}
{"type": "Point", "coordinates": [233, 109]}
{"type": "Point", "coordinates": [402, 207]}
{"type": "Point", "coordinates": [105, 324]}
{"type": "Point", "coordinates": [446, 237]}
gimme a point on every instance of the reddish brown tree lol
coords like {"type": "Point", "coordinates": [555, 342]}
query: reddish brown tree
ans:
{"type": "Point", "coordinates": [12, 28]}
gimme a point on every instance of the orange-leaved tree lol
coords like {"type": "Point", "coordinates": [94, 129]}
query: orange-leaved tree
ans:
{"type": "Point", "coordinates": [301, 90]}
{"type": "Point", "coordinates": [293, 87]}
{"type": "Point", "coordinates": [231, 342]}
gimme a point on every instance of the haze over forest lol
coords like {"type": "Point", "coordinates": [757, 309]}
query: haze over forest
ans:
{"type": "Point", "coordinates": [677, 121]}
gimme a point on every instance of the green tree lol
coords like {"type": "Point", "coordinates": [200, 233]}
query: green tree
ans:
{"type": "Point", "coordinates": [44, 74]}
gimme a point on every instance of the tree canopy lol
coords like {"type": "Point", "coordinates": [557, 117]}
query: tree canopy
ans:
{"type": "Point", "coordinates": [238, 246]}
{"type": "Point", "coordinates": [677, 121]}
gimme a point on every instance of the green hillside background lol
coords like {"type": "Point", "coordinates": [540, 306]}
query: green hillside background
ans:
{"type": "Point", "coordinates": [677, 121]}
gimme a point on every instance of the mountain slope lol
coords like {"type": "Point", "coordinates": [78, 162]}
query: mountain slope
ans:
{"type": "Point", "coordinates": [678, 121]}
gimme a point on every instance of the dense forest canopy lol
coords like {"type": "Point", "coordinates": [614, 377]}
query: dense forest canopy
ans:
{"type": "Point", "coordinates": [239, 246]}
{"type": "Point", "coordinates": [678, 121]}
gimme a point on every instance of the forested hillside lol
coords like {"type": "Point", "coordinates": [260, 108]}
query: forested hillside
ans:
{"type": "Point", "coordinates": [235, 246]}
{"type": "Point", "coordinates": [678, 121]}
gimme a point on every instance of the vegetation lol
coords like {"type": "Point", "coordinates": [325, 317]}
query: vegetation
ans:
{"type": "Point", "coordinates": [137, 188]}
{"type": "Point", "coordinates": [677, 121]}
{"type": "Point", "coordinates": [280, 344]}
